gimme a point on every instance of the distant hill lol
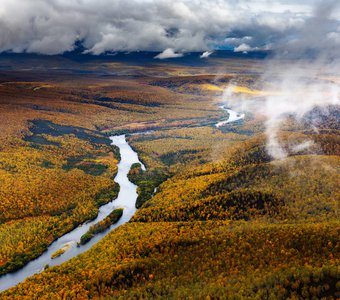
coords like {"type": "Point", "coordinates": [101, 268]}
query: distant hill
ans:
{"type": "Point", "coordinates": [140, 57]}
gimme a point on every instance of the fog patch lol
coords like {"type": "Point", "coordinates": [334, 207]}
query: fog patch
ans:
{"type": "Point", "coordinates": [296, 80]}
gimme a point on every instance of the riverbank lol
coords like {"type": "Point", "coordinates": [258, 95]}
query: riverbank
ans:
{"type": "Point", "coordinates": [126, 200]}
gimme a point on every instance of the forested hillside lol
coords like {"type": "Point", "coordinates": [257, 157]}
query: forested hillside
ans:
{"type": "Point", "coordinates": [217, 218]}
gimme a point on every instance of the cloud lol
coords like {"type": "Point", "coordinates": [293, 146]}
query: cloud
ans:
{"type": "Point", "coordinates": [168, 53]}
{"type": "Point", "coordinates": [302, 146]}
{"type": "Point", "coordinates": [55, 26]}
{"type": "Point", "coordinates": [297, 79]}
{"type": "Point", "coordinates": [206, 54]}
{"type": "Point", "coordinates": [244, 48]}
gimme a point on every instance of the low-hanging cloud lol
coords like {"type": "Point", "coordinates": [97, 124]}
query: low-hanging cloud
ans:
{"type": "Point", "coordinates": [168, 53]}
{"type": "Point", "coordinates": [298, 78]}
{"type": "Point", "coordinates": [206, 54]}
{"type": "Point", "coordinates": [56, 26]}
{"type": "Point", "coordinates": [244, 48]}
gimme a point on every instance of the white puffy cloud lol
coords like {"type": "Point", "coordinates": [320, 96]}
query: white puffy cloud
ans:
{"type": "Point", "coordinates": [55, 26]}
{"type": "Point", "coordinates": [206, 54]}
{"type": "Point", "coordinates": [168, 53]}
{"type": "Point", "coordinates": [243, 48]}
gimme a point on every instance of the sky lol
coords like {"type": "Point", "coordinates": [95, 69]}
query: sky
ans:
{"type": "Point", "coordinates": [171, 27]}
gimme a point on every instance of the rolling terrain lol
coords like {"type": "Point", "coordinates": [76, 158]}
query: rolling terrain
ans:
{"type": "Point", "coordinates": [217, 216]}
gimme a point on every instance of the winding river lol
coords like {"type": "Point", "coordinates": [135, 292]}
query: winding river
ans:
{"type": "Point", "coordinates": [126, 199]}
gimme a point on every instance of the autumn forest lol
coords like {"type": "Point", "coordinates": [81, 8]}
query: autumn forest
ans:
{"type": "Point", "coordinates": [217, 216]}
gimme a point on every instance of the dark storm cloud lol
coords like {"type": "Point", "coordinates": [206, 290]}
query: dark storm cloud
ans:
{"type": "Point", "coordinates": [54, 26]}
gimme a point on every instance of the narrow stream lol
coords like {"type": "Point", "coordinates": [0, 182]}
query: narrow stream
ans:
{"type": "Point", "coordinates": [126, 199]}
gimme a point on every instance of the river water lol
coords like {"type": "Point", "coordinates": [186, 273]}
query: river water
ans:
{"type": "Point", "coordinates": [233, 116]}
{"type": "Point", "coordinates": [126, 199]}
